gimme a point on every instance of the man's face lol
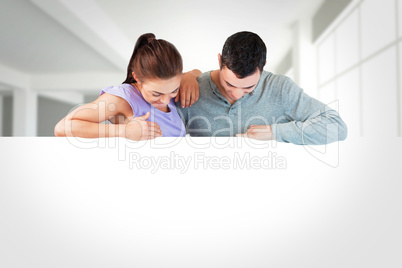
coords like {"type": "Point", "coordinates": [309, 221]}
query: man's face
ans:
{"type": "Point", "coordinates": [235, 87]}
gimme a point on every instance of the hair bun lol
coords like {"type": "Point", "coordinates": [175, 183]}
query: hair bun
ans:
{"type": "Point", "coordinates": [145, 39]}
{"type": "Point", "coordinates": [153, 58]}
{"type": "Point", "coordinates": [150, 37]}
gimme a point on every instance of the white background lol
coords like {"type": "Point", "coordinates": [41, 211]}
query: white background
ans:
{"type": "Point", "coordinates": [333, 206]}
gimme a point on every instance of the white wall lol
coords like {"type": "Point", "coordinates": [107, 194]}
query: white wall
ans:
{"type": "Point", "coordinates": [359, 64]}
{"type": "Point", "coordinates": [356, 61]}
{"type": "Point", "coordinates": [1, 115]}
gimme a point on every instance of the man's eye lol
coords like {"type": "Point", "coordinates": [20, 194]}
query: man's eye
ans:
{"type": "Point", "coordinates": [155, 95]}
{"type": "Point", "coordinates": [175, 91]}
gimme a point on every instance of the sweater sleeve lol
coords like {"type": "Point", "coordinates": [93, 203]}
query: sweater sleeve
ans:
{"type": "Point", "coordinates": [309, 121]}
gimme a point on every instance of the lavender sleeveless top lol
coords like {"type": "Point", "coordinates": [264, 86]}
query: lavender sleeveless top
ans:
{"type": "Point", "coordinates": [170, 122]}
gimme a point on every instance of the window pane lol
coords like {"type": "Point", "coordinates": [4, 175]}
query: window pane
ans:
{"type": "Point", "coordinates": [400, 17]}
{"type": "Point", "coordinates": [400, 88]}
{"type": "Point", "coordinates": [380, 96]}
{"type": "Point", "coordinates": [349, 104]}
{"type": "Point", "coordinates": [326, 60]}
{"type": "Point", "coordinates": [328, 96]}
{"type": "Point", "coordinates": [378, 25]}
{"type": "Point", "coordinates": [347, 43]}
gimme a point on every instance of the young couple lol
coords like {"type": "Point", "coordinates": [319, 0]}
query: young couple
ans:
{"type": "Point", "coordinates": [239, 99]}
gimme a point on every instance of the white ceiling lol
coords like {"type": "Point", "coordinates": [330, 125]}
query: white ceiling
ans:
{"type": "Point", "coordinates": [64, 36]}
{"type": "Point", "coordinates": [32, 42]}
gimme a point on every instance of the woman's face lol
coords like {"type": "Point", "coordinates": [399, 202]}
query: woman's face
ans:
{"type": "Point", "coordinates": [158, 92]}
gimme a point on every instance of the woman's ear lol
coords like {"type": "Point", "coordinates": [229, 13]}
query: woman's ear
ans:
{"type": "Point", "coordinates": [136, 78]}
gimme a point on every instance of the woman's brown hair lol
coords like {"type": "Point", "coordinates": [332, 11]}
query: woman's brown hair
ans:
{"type": "Point", "coordinates": [153, 58]}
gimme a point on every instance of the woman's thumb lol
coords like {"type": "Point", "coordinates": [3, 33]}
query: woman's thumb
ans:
{"type": "Point", "coordinates": [145, 116]}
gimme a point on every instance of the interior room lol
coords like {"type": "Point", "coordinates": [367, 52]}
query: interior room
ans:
{"type": "Point", "coordinates": [200, 202]}
{"type": "Point", "coordinates": [56, 55]}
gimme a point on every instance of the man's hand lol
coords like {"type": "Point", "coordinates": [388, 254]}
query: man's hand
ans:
{"type": "Point", "coordinates": [258, 132]}
{"type": "Point", "coordinates": [189, 91]}
{"type": "Point", "coordinates": [140, 129]}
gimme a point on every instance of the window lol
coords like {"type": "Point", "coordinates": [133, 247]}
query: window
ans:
{"type": "Point", "coordinates": [359, 63]}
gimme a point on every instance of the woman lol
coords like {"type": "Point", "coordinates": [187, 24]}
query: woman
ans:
{"type": "Point", "coordinates": [140, 108]}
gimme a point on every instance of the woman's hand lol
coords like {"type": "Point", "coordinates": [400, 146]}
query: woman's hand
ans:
{"type": "Point", "coordinates": [140, 129]}
{"type": "Point", "coordinates": [189, 91]}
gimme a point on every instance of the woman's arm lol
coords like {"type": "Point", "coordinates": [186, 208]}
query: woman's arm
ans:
{"type": "Point", "coordinates": [189, 91]}
{"type": "Point", "coordinates": [86, 120]}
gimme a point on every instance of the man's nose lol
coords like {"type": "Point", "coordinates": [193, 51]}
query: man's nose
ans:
{"type": "Point", "coordinates": [238, 93]}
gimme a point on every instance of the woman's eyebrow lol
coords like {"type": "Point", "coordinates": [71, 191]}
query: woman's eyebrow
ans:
{"type": "Point", "coordinates": [175, 89]}
{"type": "Point", "coordinates": [164, 93]}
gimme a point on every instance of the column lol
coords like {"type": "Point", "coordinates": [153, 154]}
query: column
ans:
{"type": "Point", "coordinates": [304, 59]}
{"type": "Point", "coordinates": [25, 112]}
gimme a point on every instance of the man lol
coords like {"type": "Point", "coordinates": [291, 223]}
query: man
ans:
{"type": "Point", "coordinates": [241, 99]}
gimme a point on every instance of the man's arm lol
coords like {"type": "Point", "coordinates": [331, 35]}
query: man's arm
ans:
{"type": "Point", "coordinates": [310, 121]}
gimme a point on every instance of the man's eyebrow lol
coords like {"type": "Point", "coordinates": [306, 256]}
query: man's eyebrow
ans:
{"type": "Point", "coordinates": [229, 84]}
{"type": "Point", "coordinates": [164, 93]}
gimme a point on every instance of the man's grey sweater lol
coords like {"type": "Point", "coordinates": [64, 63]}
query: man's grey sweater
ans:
{"type": "Point", "coordinates": [277, 101]}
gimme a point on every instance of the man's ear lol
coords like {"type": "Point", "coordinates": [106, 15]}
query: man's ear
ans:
{"type": "Point", "coordinates": [265, 63]}
{"type": "Point", "coordinates": [219, 60]}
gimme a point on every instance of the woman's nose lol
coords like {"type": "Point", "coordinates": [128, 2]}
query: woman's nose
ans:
{"type": "Point", "coordinates": [165, 99]}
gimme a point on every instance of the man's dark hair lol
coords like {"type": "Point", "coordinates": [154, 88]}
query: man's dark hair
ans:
{"type": "Point", "coordinates": [243, 53]}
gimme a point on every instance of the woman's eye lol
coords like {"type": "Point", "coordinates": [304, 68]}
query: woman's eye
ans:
{"type": "Point", "coordinates": [155, 95]}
